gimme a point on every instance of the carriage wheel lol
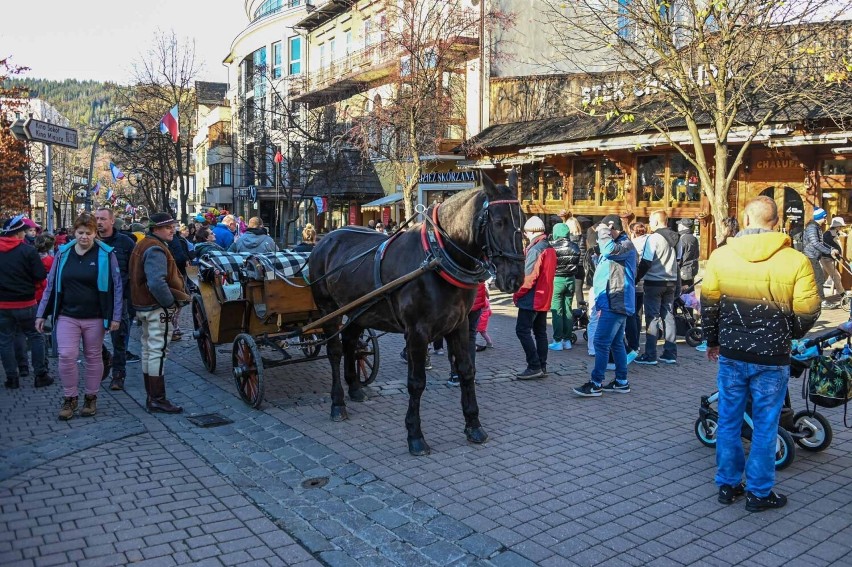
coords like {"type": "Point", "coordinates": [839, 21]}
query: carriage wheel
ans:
{"type": "Point", "coordinates": [694, 336]}
{"type": "Point", "coordinates": [311, 351]}
{"type": "Point", "coordinates": [367, 357]}
{"type": "Point", "coordinates": [248, 370]}
{"type": "Point", "coordinates": [206, 348]}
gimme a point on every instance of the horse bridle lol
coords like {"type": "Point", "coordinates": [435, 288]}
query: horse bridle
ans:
{"type": "Point", "coordinates": [483, 224]}
{"type": "Point", "coordinates": [434, 237]}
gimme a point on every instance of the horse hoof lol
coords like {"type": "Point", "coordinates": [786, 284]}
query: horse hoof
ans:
{"type": "Point", "coordinates": [358, 395]}
{"type": "Point", "coordinates": [338, 413]}
{"type": "Point", "coordinates": [418, 447]}
{"type": "Point", "coordinates": [476, 434]}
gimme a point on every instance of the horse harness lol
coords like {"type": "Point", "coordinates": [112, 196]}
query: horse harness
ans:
{"type": "Point", "coordinates": [434, 240]}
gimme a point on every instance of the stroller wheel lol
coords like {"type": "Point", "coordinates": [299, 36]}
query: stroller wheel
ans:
{"type": "Point", "coordinates": [817, 428]}
{"type": "Point", "coordinates": [705, 430]}
{"type": "Point", "coordinates": [586, 336]}
{"type": "Point", "coordinates": [694, 336]}
{"type": "Point", "coordinates": [846, 302]}
{"type": "Point", "coordinates": [573, 338]}
{"type": "Point", "coordinates": [785, 449]}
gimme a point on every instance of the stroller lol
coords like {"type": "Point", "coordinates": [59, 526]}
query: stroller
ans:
{"type": "Point", "coordinates": [686, 311]}
{"type": "Point", "coordinates": [581, 321]}
{"type": "Point", "coordinates": [807, 428]}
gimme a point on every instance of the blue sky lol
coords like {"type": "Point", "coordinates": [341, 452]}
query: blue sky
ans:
{"type": "Point", "coordinates": [99, 39]}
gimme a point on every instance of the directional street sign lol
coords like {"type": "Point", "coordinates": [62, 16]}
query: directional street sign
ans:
{"type": "Point", "coordinates": [39, 131]}
{"type": "Point", "coordinates": [18, 130]}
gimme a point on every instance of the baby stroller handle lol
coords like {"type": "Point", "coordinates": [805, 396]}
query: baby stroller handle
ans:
{"type": "Point", "coordinates": [843, 330]}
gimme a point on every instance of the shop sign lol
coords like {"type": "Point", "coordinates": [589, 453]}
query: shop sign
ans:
{"type": "Point", "coordinates": [247, 193]}
{"type": "Point", "coordinates": [353, 214]}
{"type": "Point", "coordinates": [618, 90]}
{"type": "Point", "coordinates": [448, 177]}
{"type": "Point", "coordinates": [386, 215]}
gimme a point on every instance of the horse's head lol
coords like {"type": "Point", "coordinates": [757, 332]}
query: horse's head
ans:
{"type": "Point", "coordinates": [500, 229]}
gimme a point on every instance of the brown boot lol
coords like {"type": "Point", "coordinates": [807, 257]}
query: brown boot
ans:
{"type": "Point", "coordinates": [117, 381]}
{"type": "Point", "coordinates": [90, 406]}
{"type": "Point", "coordinates": [43, 380]}
{"type": "Point", "coordinates": [147, 379]}
{"type": "Point", "coordinates": [158, 401]}
{"type": "Point", "coordinates": [69, 406]}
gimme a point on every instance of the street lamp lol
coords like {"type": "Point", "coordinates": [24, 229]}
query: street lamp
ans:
{"type": "Point", "coordinates": [135, 177]}
{"type": "Point", "coordinates": [126, 143]}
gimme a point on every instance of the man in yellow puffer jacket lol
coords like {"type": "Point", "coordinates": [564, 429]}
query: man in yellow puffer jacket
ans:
{"type": "Point", "coordinates": [758, 294]}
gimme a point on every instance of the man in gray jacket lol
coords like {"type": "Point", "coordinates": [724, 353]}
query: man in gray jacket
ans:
{"type": "Point", "coordinates": [658, 268]}
{"type": "Point", "coordinates": [254, 240]}
{"type": "Point", "coordinates": [815, 248]}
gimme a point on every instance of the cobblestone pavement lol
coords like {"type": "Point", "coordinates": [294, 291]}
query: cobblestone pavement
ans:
{"type": "Point", "coordinates": [617, 480]}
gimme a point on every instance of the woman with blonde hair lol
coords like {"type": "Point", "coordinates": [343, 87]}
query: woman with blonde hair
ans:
{"type": "Point", "coordinates": [575, 235]}
{"type": "Point", "coordinates": [309, 237]}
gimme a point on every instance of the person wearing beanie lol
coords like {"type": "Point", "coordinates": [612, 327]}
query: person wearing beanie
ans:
{"type": "Point", "coordinates": [829, 238]}
{"type": "Point", "coordinates": [534, 299]}
{"type": "Point", "coordinates": [688, 251]}
{"type": "Point", "coordinates": [614, 290]}
{"type": "Point", "coordinates": [156, 291]}
{"type": "Point", "coordinates": [567, 268]}
{"type": "Point", "coordinates": [815, 249]}
{"type": "Point", "coordinates": [255, 240]}
{"type": "Point", "coordinates": [22, 274]}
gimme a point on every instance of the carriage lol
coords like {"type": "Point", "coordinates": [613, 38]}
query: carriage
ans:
{"type": "Point", "coordinates": [264, 306]}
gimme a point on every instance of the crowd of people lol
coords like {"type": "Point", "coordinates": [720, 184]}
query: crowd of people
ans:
{"type": "Point", "coordinates": [104, 272]}
{"type": "Point", "coordinates": [98, 276]}
{"type": "Point", "coordinates": [757, 295]}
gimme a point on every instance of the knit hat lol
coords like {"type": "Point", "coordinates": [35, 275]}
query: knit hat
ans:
{"type": "Point", "coordinates": [560, 230]}
{"type": "Point", "coordinates": [161, 219]}
{"type": "Point", "coordinates": [684, 225]}
{"type": "Point", "coordinates": [14, 225]}
{"type": "Point", "coordinates": [613, 221]}
{"type": "Point", "coordinates": [534, 224]}
{"type": "Point", "coordinates": [837, 221]}
{"type": "Point", "coordinates": [819, 214]}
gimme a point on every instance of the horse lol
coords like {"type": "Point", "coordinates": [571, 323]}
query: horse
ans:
{"type": "Point", "coordinates": [473, 235]}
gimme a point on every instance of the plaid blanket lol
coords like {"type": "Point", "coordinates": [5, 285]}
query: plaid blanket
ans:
{"type": "Point", "coordinates": [277, 264]}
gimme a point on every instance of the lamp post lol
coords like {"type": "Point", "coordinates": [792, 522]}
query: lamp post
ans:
{"type": "Point", "coordinates": [129, 134]}
{"type": "Point", "coordinates": [135, 176]}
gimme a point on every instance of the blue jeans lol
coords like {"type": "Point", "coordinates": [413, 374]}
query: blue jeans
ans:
{"type": "Point", "coordinates": [658, 304]}
{"type": "Point", "coordinates": [22, 320]}
{"type": "Point", "coordinates": [766, 386]}
{"type": "Point", "coordinates": [610, 335]}
{"type": "Point", "coordinates": [533, 323]}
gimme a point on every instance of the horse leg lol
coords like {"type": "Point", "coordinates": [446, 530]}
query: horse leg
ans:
{"type": "Point", "coordinates": [335, 353]}
{"type": "Point", "coordinates": [417, 344]}
{"type": "Point", "coordinates": [350, 344]}
{"type": "Point", "coordinates": [459, 344]}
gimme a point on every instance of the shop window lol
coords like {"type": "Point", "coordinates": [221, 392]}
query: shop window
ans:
{"type": "Point", "coordinates": [683, 180]}
{"type": "Point", "coordinates": [553, 185]}
{"type": "Point", "coordinates": [529, 178]}
{"type": "Point", "coordinates": [612, 183]}
{"type": "Point", "coordinates": [837, 167]}
{"type": "Point", "coordinates": [651, 179]}
{"type": "Point", "coordinates": [584, 179]}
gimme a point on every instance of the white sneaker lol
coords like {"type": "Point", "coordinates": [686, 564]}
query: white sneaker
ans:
{"type": "Point", "coordinates": [555, 345]}
{"type": "Point", "coordinates": [566, 345]}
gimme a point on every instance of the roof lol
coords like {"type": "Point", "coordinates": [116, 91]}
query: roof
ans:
{"type": "Point", "coordinates": [580, 126]}
{"type": "Point", "coordinates": [210, 93]}
{"type": "Point", "coordinates": [386, 200]}
{"type": "Point", "coordinates": [318, 15]}
{"type": "Point", "coordinates": [348, 177]}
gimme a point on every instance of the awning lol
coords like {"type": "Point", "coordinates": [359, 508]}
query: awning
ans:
{"type": "Point", "coordinates": [384, 201]}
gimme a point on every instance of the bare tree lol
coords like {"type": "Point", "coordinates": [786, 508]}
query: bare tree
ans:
{"type": "Point", "coordinates": [721, 71]}
{"type": "Point", "coordinates": [422, 110]}
{"type": "Point", "coordinates": [163, 77]}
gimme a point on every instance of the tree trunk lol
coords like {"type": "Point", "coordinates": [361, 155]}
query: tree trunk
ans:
{"type": "Point", "coordinates": [719, 204]}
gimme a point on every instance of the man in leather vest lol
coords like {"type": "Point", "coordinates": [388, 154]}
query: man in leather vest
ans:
{"type": "Point", "coordinates": [156, 291]}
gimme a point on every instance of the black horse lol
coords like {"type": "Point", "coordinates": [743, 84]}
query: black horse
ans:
{"type": "Point", "coordinates": [473, 234]}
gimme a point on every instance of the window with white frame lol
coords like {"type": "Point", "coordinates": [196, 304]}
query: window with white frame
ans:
{"type": "Point", "coordinates": [276, 60]}
{"type": "Point", "coordinates": [295, 55]}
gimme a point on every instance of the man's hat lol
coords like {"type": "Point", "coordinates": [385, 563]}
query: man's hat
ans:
{"type": "Point", "coordinates": [534, 224]}
{"type": "Point", "coordinates": [613, 221]}
{"type": "Point", "coordinates": [837, 221]}
{"type": "Point", "coordinates": [14, 225]}
{"type": "Point", "coordinates": [158, 220]}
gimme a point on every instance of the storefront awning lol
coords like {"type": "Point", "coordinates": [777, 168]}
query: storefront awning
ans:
{"type": "Point", "coordinates": [384, 201]}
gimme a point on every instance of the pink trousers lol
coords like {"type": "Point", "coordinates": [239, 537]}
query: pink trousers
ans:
{"type": "Point", "coordinates": [69, 331]}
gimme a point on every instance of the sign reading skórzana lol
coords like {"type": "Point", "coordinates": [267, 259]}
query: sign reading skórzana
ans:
{"type": "Point", "coordinates": [448, 177]}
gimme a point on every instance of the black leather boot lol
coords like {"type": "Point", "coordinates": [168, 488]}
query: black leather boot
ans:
{"type": "Point", "coordinates": [13, 383]}
{"type": "Point", "coordinates": [117, 381]}
{"type": "Point", "coordinates": [43, 380]}
{"type": "Point", "coordinates": [147, 379]}
{"type": "Point", "coordinates": [158, 402]}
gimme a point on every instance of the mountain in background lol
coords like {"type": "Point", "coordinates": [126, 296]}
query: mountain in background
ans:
{"type": "Point", "coordinates": [86, 104]}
